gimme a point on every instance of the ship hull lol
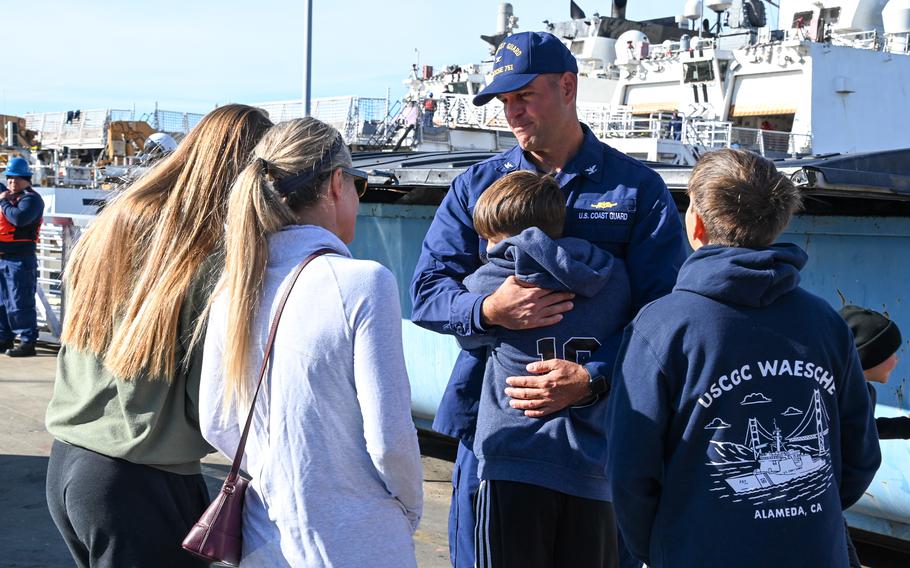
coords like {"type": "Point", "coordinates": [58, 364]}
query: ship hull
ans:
{"type": "Point", "coordinates": [760, 479]}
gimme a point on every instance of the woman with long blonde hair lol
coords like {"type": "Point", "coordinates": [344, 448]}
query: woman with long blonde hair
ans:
{"type": "Point", "coordinates": [124, 483]}
{"type": "Point", "coordinates": [336, 475]}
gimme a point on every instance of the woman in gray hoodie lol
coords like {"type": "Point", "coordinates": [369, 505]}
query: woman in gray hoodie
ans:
{"type": "Point", "coordinates": [333, 455]}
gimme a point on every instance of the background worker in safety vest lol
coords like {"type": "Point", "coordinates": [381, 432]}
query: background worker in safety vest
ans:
{"type": "Point", "coordinates": [429, 110]}
{"type": "Point", "coordinates": [21, 208]}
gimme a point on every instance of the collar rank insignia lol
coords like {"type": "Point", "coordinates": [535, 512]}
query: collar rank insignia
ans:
{"type": "Point", "coordinates": [508, 165]}
{"type": "Point", "coordinates": [591, 170]}
{"type": "Point", "coordinates": [604, 205]}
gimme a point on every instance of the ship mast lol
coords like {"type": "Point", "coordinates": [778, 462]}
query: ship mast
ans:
{"type": "Point", "coordinates": [778, 444]}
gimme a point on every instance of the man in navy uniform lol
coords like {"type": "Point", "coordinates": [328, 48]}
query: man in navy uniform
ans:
{"type": "Point", "coordinates": [613, 201]}
{"type": "Point", "coordinates": [21, 209]}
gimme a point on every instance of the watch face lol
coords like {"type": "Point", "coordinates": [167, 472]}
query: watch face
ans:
{"type": "Point", "coordinates": [598, 385]}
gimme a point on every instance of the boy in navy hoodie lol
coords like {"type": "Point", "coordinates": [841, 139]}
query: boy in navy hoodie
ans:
{"type": "Point", "coordinates": [740, 425]}
{"type": "Point", "coordinates": [543, 499]}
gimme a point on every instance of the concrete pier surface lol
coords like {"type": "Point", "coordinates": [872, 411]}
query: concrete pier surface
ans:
{"type": "Point", "coordinates": [28, 537]}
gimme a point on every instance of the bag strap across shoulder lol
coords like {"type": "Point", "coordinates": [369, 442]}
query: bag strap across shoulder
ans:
{"type": "Point", "coordinates": [238, 457]}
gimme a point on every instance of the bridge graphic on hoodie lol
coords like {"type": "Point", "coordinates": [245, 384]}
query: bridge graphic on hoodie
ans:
{"type": "Point", "coordinates": [769, 467]}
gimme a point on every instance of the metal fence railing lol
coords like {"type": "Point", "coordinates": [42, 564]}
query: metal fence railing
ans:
{"type": "Point", "coordinates": [898, 43]}
{"type": "Point", "coordinates": [457, 111]}
{"type": "Point", "coordinates": [58, 236]}
{"type": "Point", "coordinates": [78, 129]}
{"type": "Point", "coordinates": [356, 118]}
{"type": "Point", "coordinates": [771, 143]}
{"type": "Point", "coordinates": [173, 122]}
{"type": "Point", "coordinates": [87, 129]}
{"type": "Point", "coordinates": [608, 123]}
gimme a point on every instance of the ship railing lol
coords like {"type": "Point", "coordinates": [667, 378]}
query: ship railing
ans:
{"type": "Point", "coordinates": [711, 134]}
{"type": "Point", "coordinates": [58, 236]}
{"type": "Point", "coordinates": [78, 129]}
{"type": "Point", "coordinates": [898, 43]}
{"type": "Point", "coordinates": [356, 118]}
{"type": "Point", "coordinates": [173, 122]}
{"type": "Point", "coordinates": [622, 122]}
{"type": "Point", "coordinates": [714, 134]}
{"type": "Point", "coordinates": [457, 111]}
{"type": "Point", "coordinates": [866, 39]}
{"type": "Point", "coordinates": [771, 143]}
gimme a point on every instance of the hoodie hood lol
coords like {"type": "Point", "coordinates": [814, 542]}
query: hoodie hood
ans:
{"type": "Point", "coordinates": [747, 277]}
{"type": "Point", "coordinates": [565, 264]}
{"type": "Point", "coordinates": [293, 243]}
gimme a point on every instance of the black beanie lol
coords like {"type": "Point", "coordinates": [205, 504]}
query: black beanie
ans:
{"type": "Point", "coordinates": [875, 336]}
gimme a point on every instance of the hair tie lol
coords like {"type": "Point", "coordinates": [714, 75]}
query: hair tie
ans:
{"type": "Point", "coordinates": [264, 166]}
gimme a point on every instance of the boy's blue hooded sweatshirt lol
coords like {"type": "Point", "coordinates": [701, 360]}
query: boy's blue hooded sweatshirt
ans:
{"type": "Point", "coordinates": [740, 424]}
{"type": "Point", "coordinates": [565, 451]}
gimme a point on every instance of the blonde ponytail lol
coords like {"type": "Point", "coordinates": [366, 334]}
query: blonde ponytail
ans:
{"type": "Point", "coordinates": [256, 209]}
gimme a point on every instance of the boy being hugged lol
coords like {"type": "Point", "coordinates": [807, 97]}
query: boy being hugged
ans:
{"type": "Point", "coordinates": [740, 425]}
{"type": "Point", "coordinates": [543, 499]}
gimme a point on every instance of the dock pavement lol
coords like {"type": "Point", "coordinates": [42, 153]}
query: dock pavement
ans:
{"type": "Point", "coordinates": [28, 537]}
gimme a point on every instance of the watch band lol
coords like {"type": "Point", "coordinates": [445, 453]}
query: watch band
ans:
{"type": "Point", "coordinates": [598, 385]}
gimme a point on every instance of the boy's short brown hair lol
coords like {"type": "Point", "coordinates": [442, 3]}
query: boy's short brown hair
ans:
{"type": "Point", "coordinates": [518, 201]}
{"type": "Point", "coordinates": [741, 198]}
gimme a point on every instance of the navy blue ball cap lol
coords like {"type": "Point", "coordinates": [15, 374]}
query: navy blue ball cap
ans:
{"type": "Point", "coordinates": [520, 58]}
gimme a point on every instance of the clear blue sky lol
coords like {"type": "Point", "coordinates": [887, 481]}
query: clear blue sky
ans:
{"type": "Point", "coordinates": [190, 55]}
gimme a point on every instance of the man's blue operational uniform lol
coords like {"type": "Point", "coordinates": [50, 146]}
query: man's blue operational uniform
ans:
{"type": "Point", "coordinates": [20, 222]}
{"type": "Point", "coordinates": [613, 201]}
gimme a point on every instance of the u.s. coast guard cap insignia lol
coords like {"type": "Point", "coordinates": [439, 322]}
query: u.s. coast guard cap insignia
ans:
{"type": "Point", "coordinates": [603, 205]}
{"type": "Point", "coordinates": [520, 58]}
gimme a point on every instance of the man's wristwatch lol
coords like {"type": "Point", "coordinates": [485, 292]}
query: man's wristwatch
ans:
{"type": "Point", "coordinates": [596, 387]}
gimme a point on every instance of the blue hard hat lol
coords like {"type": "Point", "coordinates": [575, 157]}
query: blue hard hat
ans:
{"type": "Point", "coordinates": [18, 167]}
{"type": "Point", "coordinates": [520, 58]}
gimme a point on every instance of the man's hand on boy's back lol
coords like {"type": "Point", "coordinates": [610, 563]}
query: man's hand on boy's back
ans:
{"type": "Point", "coordinates": [518, 305]}
{"type": "Point", "coordinates": [557, 384]}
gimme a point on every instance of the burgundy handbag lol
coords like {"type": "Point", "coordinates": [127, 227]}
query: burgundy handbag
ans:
{"type": "Point", "coordinates": [217, 535]}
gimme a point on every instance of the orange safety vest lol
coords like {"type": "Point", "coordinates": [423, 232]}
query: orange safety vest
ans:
{"type": "Point", "coordinates": [10, 233]}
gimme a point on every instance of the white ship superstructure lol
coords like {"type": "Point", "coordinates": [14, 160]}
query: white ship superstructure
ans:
{"type": "Point", "coordinates": [834, 78]}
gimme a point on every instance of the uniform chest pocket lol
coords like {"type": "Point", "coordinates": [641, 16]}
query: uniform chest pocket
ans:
{"type": "Point", "coordinates": [600, 220]}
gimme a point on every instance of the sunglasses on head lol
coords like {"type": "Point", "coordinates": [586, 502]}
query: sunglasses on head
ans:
{"type": "Point", "coordinates": [361, 179]}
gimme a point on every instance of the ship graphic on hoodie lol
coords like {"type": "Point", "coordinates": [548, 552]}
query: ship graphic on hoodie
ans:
{"type": "Point", "coordinates": [565, 451]}
{"type": "Point", "coordinates": [739, 419]}
{"type": "Point", "coordinates": [769, 466]}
